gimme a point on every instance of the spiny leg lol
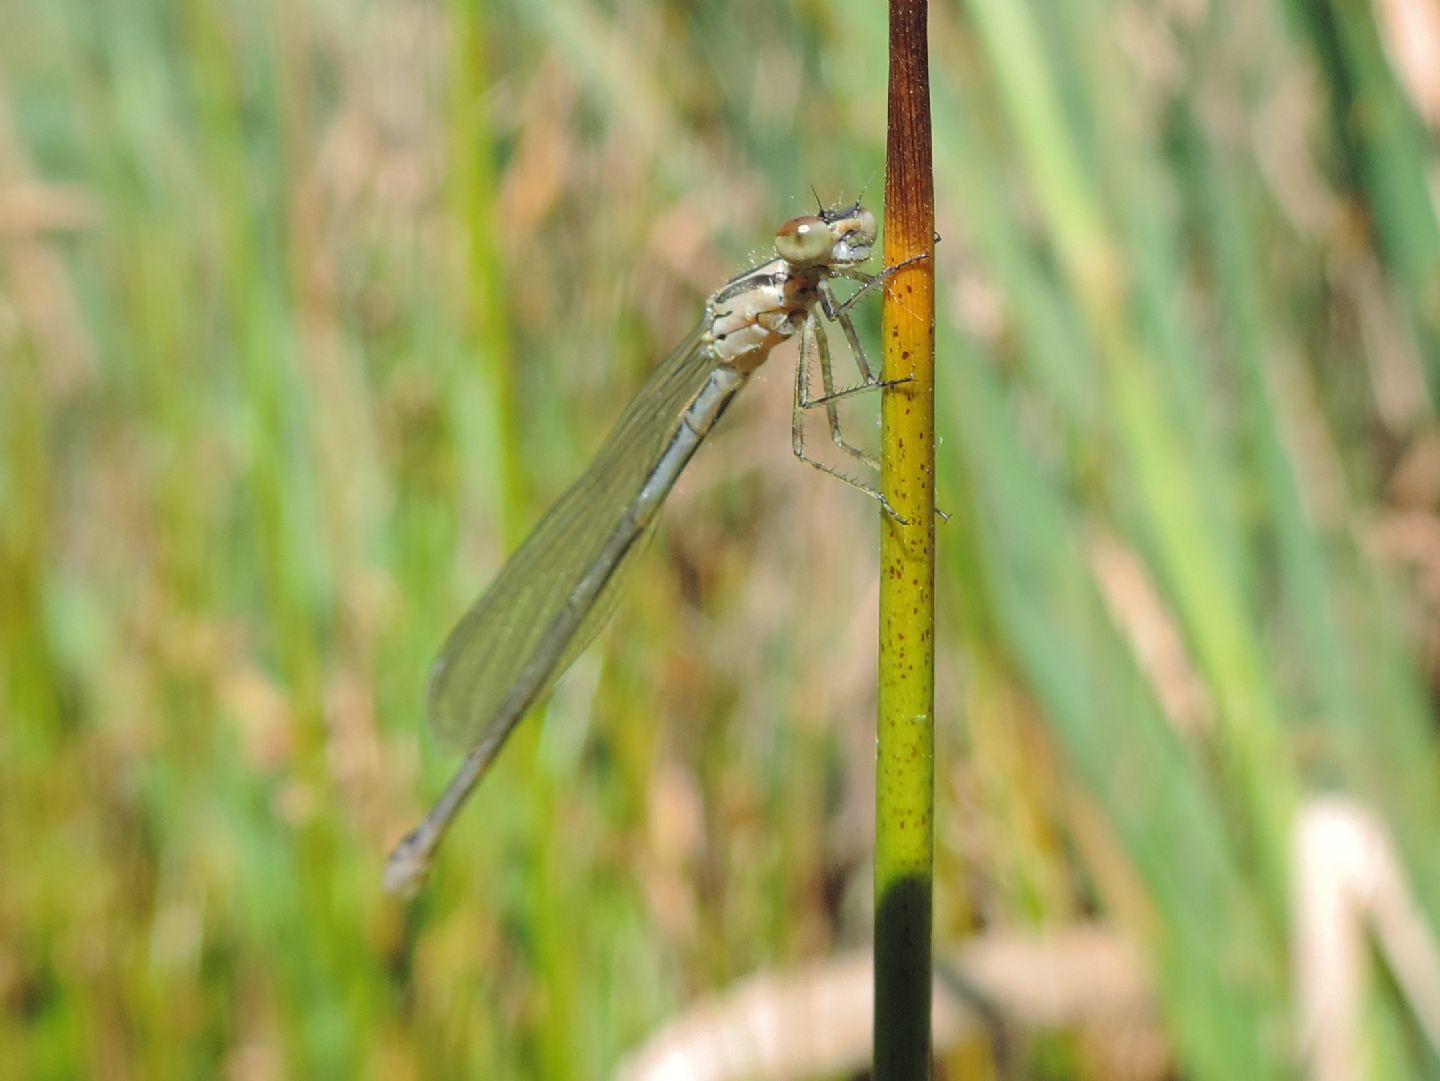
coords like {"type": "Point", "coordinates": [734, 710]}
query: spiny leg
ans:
{"type": "Point", "coordinates": [797, 433]}
{"type": "Point", "coordinates": [867, 282]}
{"type": "Point", "coordinates": [829, 401]}
{"type": "Point", "coordinates": [838, 312]}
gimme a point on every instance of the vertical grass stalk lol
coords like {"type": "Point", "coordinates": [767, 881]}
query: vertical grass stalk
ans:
{"type": "Point", "coordinates": [905, 771]}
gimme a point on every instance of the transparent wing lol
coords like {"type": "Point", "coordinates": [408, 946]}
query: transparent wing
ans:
{"type": "Point", "coordinates": [557, 590]}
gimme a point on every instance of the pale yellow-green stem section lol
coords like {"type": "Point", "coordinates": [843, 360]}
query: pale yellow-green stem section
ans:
{"type": "Point", "coordinates": [907, 559]}
{"type": "Point", "coordinates": [905, 766]}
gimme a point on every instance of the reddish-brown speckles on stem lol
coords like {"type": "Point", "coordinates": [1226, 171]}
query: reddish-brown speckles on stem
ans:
{"type": "Point", "coordinates": [904, 836]}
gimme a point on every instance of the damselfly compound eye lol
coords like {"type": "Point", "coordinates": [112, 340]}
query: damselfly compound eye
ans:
{"type": "Point", "coordinates": [803, 241]}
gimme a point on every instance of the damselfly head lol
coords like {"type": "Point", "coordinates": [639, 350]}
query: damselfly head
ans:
{"type": "Point", "coordinates": [837, 236]}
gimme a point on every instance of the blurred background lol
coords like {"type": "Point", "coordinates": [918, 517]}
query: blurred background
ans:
{"type": "Point", "coordinates": [308, 308]}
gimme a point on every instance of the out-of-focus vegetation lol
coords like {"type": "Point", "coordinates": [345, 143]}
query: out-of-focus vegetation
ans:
{"type": "Point", "coordinates": [307, 309]}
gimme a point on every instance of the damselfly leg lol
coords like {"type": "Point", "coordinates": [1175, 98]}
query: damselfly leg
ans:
{"type": "Point", "coordinates": [812, 331]}
{"type": "Point", "coordinates": [814, 338]}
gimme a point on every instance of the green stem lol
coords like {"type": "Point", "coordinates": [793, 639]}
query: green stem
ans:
{"type": "Point", "coordinates": [905, 769]}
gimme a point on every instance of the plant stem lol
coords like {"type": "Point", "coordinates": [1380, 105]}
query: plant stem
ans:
{"type": "Point", "coordinates": [905, 770]}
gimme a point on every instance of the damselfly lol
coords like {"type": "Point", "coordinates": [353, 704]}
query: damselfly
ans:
{"type": "Point", "coordinates": [557, 590]}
